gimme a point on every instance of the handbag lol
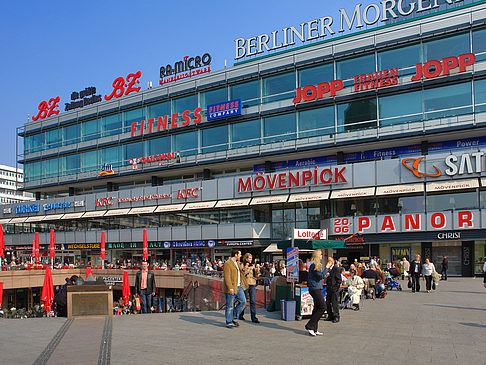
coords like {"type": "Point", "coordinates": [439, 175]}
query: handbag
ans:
{"type": "Point", "coordinates": [434, 285]}
{"type": "Point", "coordinates": [409, 285]}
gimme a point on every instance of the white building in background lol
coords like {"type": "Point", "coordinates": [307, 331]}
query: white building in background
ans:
{"type": "Point", "coordinates": [11, 180]}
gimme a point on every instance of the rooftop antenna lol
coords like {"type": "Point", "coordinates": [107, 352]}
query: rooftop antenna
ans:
{"type": "Point", "coordinates": [225, 63]}
{"type": "Point", "coordinates": [149, 85]}
{"type": "Point", "coordinates": [28, 118]}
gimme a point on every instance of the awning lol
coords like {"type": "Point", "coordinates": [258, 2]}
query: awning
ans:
{"type": "Point", "coordinates": [72, 215]}
{"type": "Point", "coordinates": [95, 213]}
{"type": "Point", "coordinates": [169, 208]}
{"type": "Point", "coordinates": [272, 248]}
{"type": "Point", "coordinates": [35, 219]}
{"type": "Point", "coordinates": [4, 221]}
{"type": "Point", "coordinates": [269, 199]}
{"type": "Point", "coordinates": [117, 212]}
{"type": "Point", "coordinates": [400, 189]}
{"type": "Point", "coordinates": [200, 205]}
{"type": "Point", "coordinates": [18, 220]}
{"type": "Point", "coordinates": [483, 181]}
{"type": "Point", "coordinates": [453, 185]}
{"type": "Point", "coordinates": [142, 210]}
{"type": "Point", "coordinates": [312, 244]}
{"type": "Point", "coordinates": [52, 217]}
{"type": "Point", "coordinates": [352, 193]}
{"type": "Point", "coordinates": [305, 197]}
{"type": "Point", "coordinates": [233, 203]}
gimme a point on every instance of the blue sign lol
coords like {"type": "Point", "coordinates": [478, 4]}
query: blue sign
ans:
{"type": "Point", "coordinates": [63, 205]}
{"type": "Point", "coordinates": [32, 208]}
{"type": "Point", "coordinates": [224, 110]}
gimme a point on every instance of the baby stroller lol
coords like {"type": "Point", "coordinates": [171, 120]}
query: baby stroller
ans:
{"type": "Point", "coordinates": [392, 280]}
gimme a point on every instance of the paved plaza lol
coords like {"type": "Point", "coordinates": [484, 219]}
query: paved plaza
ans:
{"type": "Point", "coordinates": [444, 327]}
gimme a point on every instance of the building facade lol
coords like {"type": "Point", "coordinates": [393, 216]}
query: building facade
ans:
{"type": "Point", "coordinates": [378, 134]}
{"type": "Point", "coordinates": [11, 186]}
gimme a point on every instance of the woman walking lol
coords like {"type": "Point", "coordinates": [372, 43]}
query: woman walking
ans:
{"type": "Point", "coordinates": [316, 275]}
{"type": "Point", "coordinates": [427, 269]}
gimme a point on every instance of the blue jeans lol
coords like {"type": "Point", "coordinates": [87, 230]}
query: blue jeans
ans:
{"type": "Point", "coordinates": [231, 313]}
{"type": "Point", "coordinates": [251, 292]}
{"type": "Point", "coordinates": [146, 300]}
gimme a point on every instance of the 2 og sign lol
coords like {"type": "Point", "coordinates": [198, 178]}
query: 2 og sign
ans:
{"type": "Point", "coordinates": [341, 226]}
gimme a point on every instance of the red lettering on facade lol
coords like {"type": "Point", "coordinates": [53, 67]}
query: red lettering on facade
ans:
{"type": "Point", "coordinates": [388, 224]}
{"type": "Point", "coordinates": [411, 223]}
{"type": "Point", "coordinates": [438, 220]}
{"type": "Point", "coordinates": [465, 219]}
{"type": "Point", "coordinates": [363, 223]}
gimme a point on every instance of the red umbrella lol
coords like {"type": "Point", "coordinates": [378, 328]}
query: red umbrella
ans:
{"type": "Point", "coordinates": [88, 271]}
{"type": "Point", "coordinates": [145, 246]}
{"type": "Point", "coordinates": [1, 294]}
{"type": "Point", "coordinates": [37, 256]}
{"type": "Point", "coordinates": [103, 250]}
{"type": "Point", "coordinates": [33, 249]}
{"type": "Point", "coordinates": [47, 290]}
{"type": "Point", "coordinates": [2, 243]}
{"type": "Point", "coordinates": [126, 289]}
{"type": "Point", "coordinates": [52, 252]}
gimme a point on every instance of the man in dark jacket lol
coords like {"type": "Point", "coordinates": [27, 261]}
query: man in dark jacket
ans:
{"type": "Point", "coordinates": [445, 267]}
{"type": "Point", "coordinates": [333, 284]}
{"type": "Point", "coordinates": [415, 271]}
{"type": "Point", "coordinates": [145, 286]}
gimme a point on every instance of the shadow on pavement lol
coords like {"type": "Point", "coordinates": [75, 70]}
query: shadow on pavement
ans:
{"type": "Point", "coordinates": [466, 292]}
{"type": "Point", "coordinates": [474, 325]}
{"type": "Point", "coordinates": [455, 307]}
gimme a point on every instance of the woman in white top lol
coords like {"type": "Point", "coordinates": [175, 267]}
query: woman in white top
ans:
{"type": "Point", "coordinates": [427, 269]}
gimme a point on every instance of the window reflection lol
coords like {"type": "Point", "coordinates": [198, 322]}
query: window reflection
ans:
{"type": "Point", "coordinates": [248, 92]}
{"type": "Point", "coordinates": [279, 87]}
{"type": "Point", "coordinates": [356, 115]}
{"type": "Point", "coordinates": [452, 201]}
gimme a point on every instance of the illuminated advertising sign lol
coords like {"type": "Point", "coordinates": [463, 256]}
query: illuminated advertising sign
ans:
{"type": "Point", "coordinates": [224, 110]}
{"type": "Point", "coordinates": [160, 158]}
{"type": "Point", "coordinates": [23, 209]}
{"type": "Point", "coordinates": [166, 122]}
{"type": "Point", "coordinates": [187, 67]}
{"type": "Point", "coordinates": [106, 169]}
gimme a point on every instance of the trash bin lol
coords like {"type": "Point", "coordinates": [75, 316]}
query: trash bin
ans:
{"type": "Point", "coordinates": [288, 310]}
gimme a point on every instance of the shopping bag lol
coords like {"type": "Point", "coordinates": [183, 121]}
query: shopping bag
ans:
{"type": "Point", "coordinates": [409, 285]}
{"type": "Point", "coordinates": [137, 304]}
{"type": "Point", "coordinates": [434, 285]}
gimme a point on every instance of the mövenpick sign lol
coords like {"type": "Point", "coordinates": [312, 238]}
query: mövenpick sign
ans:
{"type": "Point", "coordinates": [321, 27]}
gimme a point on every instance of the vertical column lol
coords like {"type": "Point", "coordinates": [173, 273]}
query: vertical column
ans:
{"type": "Point", "coordinates": [467, 264]}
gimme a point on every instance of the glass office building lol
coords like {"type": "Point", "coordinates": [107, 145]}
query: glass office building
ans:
{"type": "Point", "coordinates": [410, 90]}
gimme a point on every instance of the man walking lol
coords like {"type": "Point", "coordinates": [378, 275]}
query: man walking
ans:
{"type": "Point", "coordinates": [234, 286]}
{"type": "Point", "coordinates": [415, 270]}
{"type": "Point", "coordinates": [145, 286]}
{"type": "Point", "coordinates": [445, 267]}
{"type": "Point", "coordinates": [333, 284]}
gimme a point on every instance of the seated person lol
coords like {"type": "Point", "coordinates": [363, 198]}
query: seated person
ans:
{"type": "Point", "coordinates": [370, 278]}
{"type": "Point", "coordinates": [355, 286]}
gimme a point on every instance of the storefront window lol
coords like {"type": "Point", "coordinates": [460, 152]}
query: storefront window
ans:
{"type": "Point", "coordinates": [203, 218]}
{"type": "Point", "coordinates": [159, 145]}
{"type": "Point", "coordinates": [349, 68]}
{"type": "Point", "coordinates": [405, 57]}
{"type": "Point", "coordinates": [89, 161]}
{"type": "Point", "coordinates": [90, 130]}
{"type": "Point", "coordinates": [480, 95]}
{"type": "Point", "coordinates": [132, 116]}
{"type": "Point", "coordinates": [158, 110]}
{"type": "Point", "coordinates": [214, 139]}
{"type": "Point", "coordinates": [121, 222]}
{"type": "Point", "coordinates": [186, 143]}
{"type": "Point", "coordinates": [245, 134]}
{"type": "Point", "coordinates": [111, 125]}
{"type": "Point", "coordinates": [356, 115]}
{"type": "Point", "coordinates": [174, 219]}
{"type": "Point", "coordinates": [213, 97]}
{"type": "Point", "coordinates": [235, 216]}
{"type": "Point", "coordinates": [248, 92]}
{"type": "Point", "coordinates": [133, 150]}
{"type": "Point", "coordinates": [350, 207]}
{"type": "Point", "coordinates": [482, 199]}
{"type": "Point", "coordinates": [448, 100]}
{"type": "Point", "coordinates": [400, 108]}
{"type": "Point", "coordinates": [401, 204]}
{"type": "Point", "coordinates": [452, 201]}
{"type": "Point", "coordinates": [479, 256]}
{"type": "Point", "coordinates": [316, 75]}
{"type": "Point", "coordinates": [279, 128]}
{"type": "Point", "coordinates": [446, 47]}
{"type": "Point", "coordinates": [183, 104]}
{"type": "Point", "coordinates": [53, 139]}
{"type": "Point", "coordinates": [316, 122]}
{"type": "Point", "coordinates": [150, 221]}
{"type": "Point", "coordinates": [279, 87]}
{"type": "Point", "coordinates": [70, 134]}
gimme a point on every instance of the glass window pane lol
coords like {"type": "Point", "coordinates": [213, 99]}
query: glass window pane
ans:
{"type": "Point", "coordinates": [480, 95]}
{"type": "Point", "coordinates": [53, 139]}
{"type": "Point", "coordinates": [248, 92]}
{"type": "Point", "coordinates": [213, 97]}
{"type": "Point", "coordinates": [70, 134]}
{"type": "Point", "coordinates": [110, 155]}
{"type": "Point", "coordinates": [347, 69]}
{"type": "Point", "coordinates": [183, 104]}
{"type": "Point", "coordinates": [89, 161]}
{"type": "Point", "coordinates": [245, 134]}
{"type": "Point", "coordinates": [316, 122]}
{"type": "Point", "coordinates": [315, 75]}
{"type": "Point", "coordinates": [359, 114]}
{"type": "Point", "coordinates": [479, 43]}
{"type": "Point", "coordinates": [90, 130]}
{"type": "Point", "coordinates": [133, 150]}
{"type": "Point", "coordinates": [400, 108]}
{"type": "Point", "coordinates": [111, 125]}
{"type": "Point", "coordinates": [51, 167]}
{"type": "Point", "coordinates": [38, 141]}
{"type": "Point", "coordinates": [159, 145]}
{"type": "Point", "coordinates": [446, 47]}
{"type": "Point", "coordinates": [400, 57]}
{"type": "Point", "coordinates": [158, 110]}
{"type": "Point", "coordinates": [279, 128]}
{"type": "Point", "coordinates": [185, 143]}
{"type": "Point", "coordinates": [442, 202]}
{"type": "Point", "coordinates": [132, 116]}
{"type": "Point", "coordinates": [214, 139]}
{"type": "Point", "coordinates": [448, 100]}
{"type": "Point", "coordinates": [281, 86]}
{"type": "Point", "coordinates": [70, 164]}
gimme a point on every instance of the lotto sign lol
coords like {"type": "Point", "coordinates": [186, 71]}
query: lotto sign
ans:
{"type": "Point", "coordinates": [292, 264]}
{"type": "Point", "coordinates": [310, 234]}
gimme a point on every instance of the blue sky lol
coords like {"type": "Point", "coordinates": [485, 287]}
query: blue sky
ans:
{"type": "Point", "coordinates": [53, 48]}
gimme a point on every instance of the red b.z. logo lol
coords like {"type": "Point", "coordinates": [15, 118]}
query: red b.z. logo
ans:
{"type": "Point", "coordinates": [46, 109]}
{"type": "Point", "coordinates": [119, 85]}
